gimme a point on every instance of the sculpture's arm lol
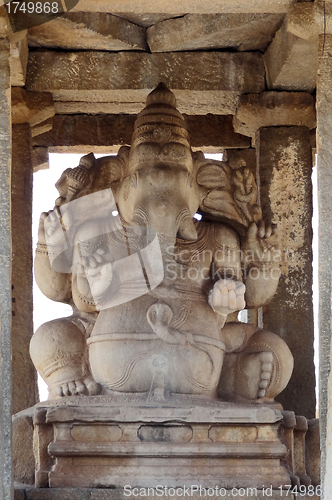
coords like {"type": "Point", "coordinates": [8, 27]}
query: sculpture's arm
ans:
{"type": "Point", "coordinates": [55, 285]}
{"type": "Point", "coordinates": [227, 294]}
{"type": "Point", "coordinates": [261, 260]}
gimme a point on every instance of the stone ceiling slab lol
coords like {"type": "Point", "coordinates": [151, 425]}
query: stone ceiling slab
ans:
{"type": "Point", "coordinates": [214, 31]}
{"type": "Point", "coordinates": [188, 6]}
{"type": "Point", "coordinates": [204, 81]}
{"type": "Point", "coordinates": [88, 30]}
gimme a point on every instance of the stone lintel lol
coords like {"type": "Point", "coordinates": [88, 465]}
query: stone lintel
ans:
{"type": "Point", "coordinates": [105, 133]}
{"type": "Point", "coordinates": [214, 31]}
{"type": "Point", "coordinates": [272, 109]}
{"type": "Point", "coordinates": [291, 62]}
{"type": "Point", "coordinates": [209, 81]}
{"type": "Point", "coordinates": [88, 31]}
{"type": "Point", "coordinates": [31, 107]}
{"type": "Point", "coordinates": [188, 6]}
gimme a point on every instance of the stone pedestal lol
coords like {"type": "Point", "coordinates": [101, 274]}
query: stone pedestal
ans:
{"type": "Point", "coordinates": [99, 443]}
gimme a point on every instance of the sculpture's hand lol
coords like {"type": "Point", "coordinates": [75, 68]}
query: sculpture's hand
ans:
{"type": "Point", "coordinates": [99, 272]}
{"type": "Point", "coordinates": [258, 246]}
{"type": "Point", "coordinates": [227, 296]}
{"type": "Point", "coordinates": [51, 228]}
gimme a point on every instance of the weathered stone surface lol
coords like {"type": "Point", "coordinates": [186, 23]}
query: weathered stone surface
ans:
{"type": "Point", "coordinates": [208, 104]}
{"type": "Point", "coordinates": [312, 451]}
{"type": "Point", "coordinates": [5, 278]}
{"type": "Point", "coordinates": [19, 52]}
{"type": "Point", "coordinates": [101, 108]}
{"type": "Point", "coordinates": [42, 127]}
{"type": "Point", "coordinates": [302, 20]}
{"type": "Point", "coordinates": [31, 107]}
{"type": "Point", "coordinates": [145, 20]}
{"type": "Point", "coordinates": [291, 62]}
{"type": "Point", "coordinates": [188, 6]}
{"type": "Point", "coordinates": [5, 28]}
{"type": "Point", "coordinates": [214, 79]}
{"type": "Point", "coordinates": [300, 431]}
{"type": "Point", "coordinates": [23, 457]}
{"type": "Point", "coordinates": [274, 109]}
{"type": "Point", "coordinates": [214, 438]}
{"type": "Point", "coordinates": [40, 159]}
{"type": "Point", "coordinates": [285, 164]}
{"type": "Point", "coordinates": [88, 31]}
{"type": "Point", "coordinates": [83, 133]}
{"type": "Point", "coordinates": [324, 161]}
{"type": "Point", "coordinates": [25, 392]}
{"type": "Point", "coordinates": [214, 31]}
{"type": "Point", "coordinates": [214, 131]}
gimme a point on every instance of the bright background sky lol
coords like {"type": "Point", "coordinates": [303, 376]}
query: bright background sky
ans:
{"type": "Point", "coordinates": [45, 194]}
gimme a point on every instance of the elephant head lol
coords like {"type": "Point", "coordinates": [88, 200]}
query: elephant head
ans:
{"type": "Point", "coordinates": [160, 189]}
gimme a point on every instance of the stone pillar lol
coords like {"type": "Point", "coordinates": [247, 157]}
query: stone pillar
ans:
{"type": "Point", "coordinates": [5, 288]}
{"type": "Point", "coordinates": [285, 164]}
{"type": "Point", "coordinates": [25, 392]}
{"type": "Point", "coordinates": [324, 150]}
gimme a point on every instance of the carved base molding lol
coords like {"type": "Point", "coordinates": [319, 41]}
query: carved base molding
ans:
{"type": "Point", "coordinates": [96, 442]}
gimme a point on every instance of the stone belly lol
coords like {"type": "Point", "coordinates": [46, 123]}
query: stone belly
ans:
{"type": "Point", "coordinates": [126, 355]}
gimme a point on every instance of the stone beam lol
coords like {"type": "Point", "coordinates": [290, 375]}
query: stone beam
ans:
{"type": "Point", "coordinates": [42, 127]}
{"type": "Point", "coordinates": [31, 107]}
{"type": "Point", "coordinates": [89, 31]}
{"type": "Point", "coordinates": [324, 162]}
{"type": "Point", "coordinates": [208, 82]}
{"type": "Point", "coordinates": [291, 62]}
{"type": "Point", "coordinates": [274, 109]}
{"type": "Point", "coordinates": [214, 31]}
{"type": "Point", "coordinates": [188, 6]}
{"type": "Point", "coordinates": [6, 490]}
{"type": "Point", "coordinates": [106, 133]}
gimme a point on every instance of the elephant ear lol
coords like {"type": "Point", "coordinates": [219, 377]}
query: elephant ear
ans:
{"type": "Point", "coordinates": [230, 195]}
{"type": "Point", "coordinates": [109, 172]}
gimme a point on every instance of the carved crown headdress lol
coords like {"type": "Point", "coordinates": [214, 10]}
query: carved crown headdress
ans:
{"type": "Point", "coordinates": [160, 121]}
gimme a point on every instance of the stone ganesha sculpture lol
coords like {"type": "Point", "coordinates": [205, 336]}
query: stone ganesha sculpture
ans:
{"type": "Point", "coordinates": [153, 290]}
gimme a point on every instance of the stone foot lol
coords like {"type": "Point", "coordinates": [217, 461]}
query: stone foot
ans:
{"type": "Point", "coordinates": [256, 369]}
{"type": "Point", "coordinates": [81, 387]}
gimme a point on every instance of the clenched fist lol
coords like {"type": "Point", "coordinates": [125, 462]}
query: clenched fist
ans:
{"type": "Point", "coordinates": [227, 296]}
